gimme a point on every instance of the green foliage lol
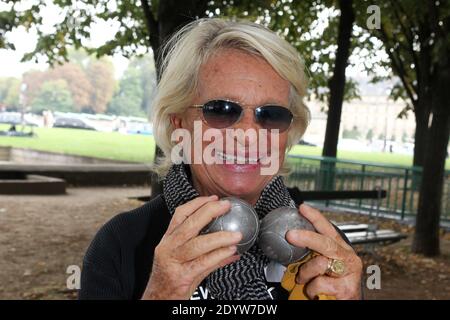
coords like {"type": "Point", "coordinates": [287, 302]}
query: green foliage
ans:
{"type": "Point", "coordinates": [127, 101]}
{"type": "Point", "coordinates": [8, 21]}
{"type": "Point", "coordinates": [146, 68]}
{"type": "Point", "coordinates": [53, 95]}
{"type": "Point", "coordinates": [297, 21]}
{"type": "Point", "coordinates": [414, 35]}
{"type": "Point", "coordinates": [9, 92]}
{"type": "Point", "coordinates": [351, 134]}
{"type": "Point", "coordinates": [404, 137]}
{"type": "Point", "coordinates": [369, 135]}
{"type": "Point", "coordinates": [101, 76]}
{"type": "Point", "coordinates": [136, 88]}
{"type": "Point", "coordinates": [310, 26]}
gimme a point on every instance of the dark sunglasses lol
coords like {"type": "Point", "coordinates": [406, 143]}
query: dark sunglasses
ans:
{"type": "Point", "coordinates": [220, 114]}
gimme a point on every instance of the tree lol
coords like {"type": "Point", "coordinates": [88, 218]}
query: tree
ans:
{"type": "Point", "coordinates": [369, 135]}
{"type": "Point", "coordinates": [404, 137]}
{"type": "Point", "coordinates": [351, 134]}
{"type": "Point", "coordinates": [412, 46]}
{"type": "Point", "coordinates": [77, 81]}
{"type": "Point", "coordinates": [33, 80]}
{"type": "Point", "coordinates": [415, 38]}
{"type": "Point", "coordinates": [337, 81]}
{"type": "Point", "coordinates": [9, 92]}
{"type": "Point", "coordinates": [53, 95]}
{"type": "Point", "coordinates": [136, 89]}
{"type": "Point", "coordinates": [147, 74]}
{"type": "Point", "coordinates": [128, 99]}
{"type": "Point", "coordinates": [101, 77]}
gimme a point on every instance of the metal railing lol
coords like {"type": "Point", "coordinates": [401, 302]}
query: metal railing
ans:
{"type": "Point", "coordinates": [402, 183]}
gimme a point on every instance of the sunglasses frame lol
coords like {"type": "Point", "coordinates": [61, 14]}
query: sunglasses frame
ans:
{"type": "Point", "coordinates": [198, 106]}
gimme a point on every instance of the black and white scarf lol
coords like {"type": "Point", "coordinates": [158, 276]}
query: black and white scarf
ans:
{"type": "Point", "coordinates": [245, 278]}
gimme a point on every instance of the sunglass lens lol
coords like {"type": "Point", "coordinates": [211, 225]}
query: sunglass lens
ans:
{"type": "Point", "coordinates": [274, 117]}
{"type": "Point", "coordinates": [221, 114]}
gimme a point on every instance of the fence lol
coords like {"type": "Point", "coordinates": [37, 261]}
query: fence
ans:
{"type": "Point", "coordinates": [401, 183]}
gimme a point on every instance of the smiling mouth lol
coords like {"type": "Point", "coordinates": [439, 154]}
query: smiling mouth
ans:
{"type": "Point", "coordinates": [235, 159]}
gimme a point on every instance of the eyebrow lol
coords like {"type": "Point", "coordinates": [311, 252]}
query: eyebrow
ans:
{"type": "Point", "coordinates": [234, 98]}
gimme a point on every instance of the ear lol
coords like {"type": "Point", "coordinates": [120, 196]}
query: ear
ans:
{"type": "Point", "coordinates": [176, 121]}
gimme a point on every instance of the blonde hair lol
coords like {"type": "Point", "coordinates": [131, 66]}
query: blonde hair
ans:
{"type": "Point", "coordinates": [190, 48]}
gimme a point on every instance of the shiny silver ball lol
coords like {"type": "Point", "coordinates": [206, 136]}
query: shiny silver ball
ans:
{"type": "Point", "coordinates": [272, 237]}
{"type": "Point", "coordinates": [241, 217]}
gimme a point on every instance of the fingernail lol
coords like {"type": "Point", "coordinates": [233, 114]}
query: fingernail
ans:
{"type": "Point", "coordinates": [213, 196]}
{"type": "Point", "coordinates": [232, 248]}
{"type": "Point", "coordinates": [224, 203]}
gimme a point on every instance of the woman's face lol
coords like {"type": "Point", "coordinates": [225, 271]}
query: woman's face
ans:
{"type": "Point", "coordinates": [251, 81]}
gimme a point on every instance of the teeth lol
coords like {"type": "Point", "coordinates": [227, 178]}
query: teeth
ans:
{"type": "Point", "coordinates": [233, 158]}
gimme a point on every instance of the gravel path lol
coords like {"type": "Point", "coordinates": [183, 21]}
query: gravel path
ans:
{"type": "Point", "coordinates": [40, 236]}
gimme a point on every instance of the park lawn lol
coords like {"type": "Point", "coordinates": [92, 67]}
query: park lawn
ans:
{"type": "Point", "coordinates": [374, 157]}
{"type": "Point", "coordinates": [107, 145]}
{"type": "Point", "coordinates": [140, 148]}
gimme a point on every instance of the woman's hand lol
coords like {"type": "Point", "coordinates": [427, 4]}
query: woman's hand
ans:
{"type": "Point", "coordinates": [330, 245]}
{"type": "Point", "coordinates": [184, 258]}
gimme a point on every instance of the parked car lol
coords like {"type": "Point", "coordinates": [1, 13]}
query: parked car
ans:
{"type": "Point", "coordinates": [15, 118]}
{"type": "Point", "coordinates": [72, 123]}
{"type": "Point", "coordinates": [305, 143]}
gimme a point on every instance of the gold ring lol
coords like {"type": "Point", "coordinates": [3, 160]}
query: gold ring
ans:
{"type": "Point", "coordinates": [335, 267]}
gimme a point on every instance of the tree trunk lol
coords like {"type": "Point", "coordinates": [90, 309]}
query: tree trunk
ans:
{"type": "Point", "coordinates": [422, 115]}
{"type": "Point", "coordinates": [172, 15]}
{"type": "Point", "coordinates": [426, 236]}
{"type": "Point", "coordinates": [420, 135]}
{"type": "Point", "coordinates": [337, 82]}
{"type": "Point", "coordinates": [337, 87]}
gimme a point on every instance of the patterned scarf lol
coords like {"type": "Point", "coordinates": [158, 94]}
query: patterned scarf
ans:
{"type": "Point", "coordinates": [245, 278]}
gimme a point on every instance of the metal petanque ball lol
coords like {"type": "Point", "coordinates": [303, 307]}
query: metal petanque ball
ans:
{"type": "Point", "coordinates": [272, 237]}
{"type": "Point", "coordinates": [241, 217]}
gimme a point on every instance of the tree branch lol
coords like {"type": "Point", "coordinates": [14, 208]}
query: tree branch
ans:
{"type": "Point", "coordinates": [408, 34]}
{"type": "Point", "coordinates": [397, 66]}
{"type": "Point", "coordinates": [151, 25]}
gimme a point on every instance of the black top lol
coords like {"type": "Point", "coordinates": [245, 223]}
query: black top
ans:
{"type": "Point", "coordinates": [118, 262]}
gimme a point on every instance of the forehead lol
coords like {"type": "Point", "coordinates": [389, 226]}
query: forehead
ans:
{"type": "Point", "coordinates": [243, 77]}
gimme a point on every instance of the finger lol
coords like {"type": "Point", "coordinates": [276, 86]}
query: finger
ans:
{"type": "Point", "coordinates": [316, 242]}
{"type": "Point", "coordinates": [193, 224]}
{"type": "Point", "coordinates": [322, 285]}
{"type": "Point", "coordinates": [315, 267]}
{"type": "Point", "coordinates": [320, 223]}
{"type": "Point", "coordinates": [212, 260]}
{"type": "Point", "coordinates": [203, 244]}
{"type": "Point", "coordinates": [184, 211]}
{"type": "Point", "coordinates": [221, 264]}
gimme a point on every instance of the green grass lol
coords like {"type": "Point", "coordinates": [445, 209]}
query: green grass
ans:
{"type": "Point", "coordinates": [115, 146]}
{"type": "Point", "coordinates": [374, 157]}
{"type": "Point", "coordinates": [140, 148]}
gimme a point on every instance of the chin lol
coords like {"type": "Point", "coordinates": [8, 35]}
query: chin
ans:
{"type": "Point", "coordinates": [244, 181]}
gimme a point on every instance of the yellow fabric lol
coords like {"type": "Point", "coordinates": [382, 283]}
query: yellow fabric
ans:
{"type": "Point", "coordinates": [296, 291]}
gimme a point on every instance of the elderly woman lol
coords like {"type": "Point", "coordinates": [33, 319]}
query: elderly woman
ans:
{"type": "Point", "coordinates": [218, 77]}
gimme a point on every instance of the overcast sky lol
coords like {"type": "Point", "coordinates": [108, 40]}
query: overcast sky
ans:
{"type": "Point", "coordinates": [26, 41]}
{"type": "Point", "coordinates": [100, 33]}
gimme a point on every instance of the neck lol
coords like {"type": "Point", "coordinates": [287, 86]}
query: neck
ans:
{"type": "Point", "coordinates": [208, 191]}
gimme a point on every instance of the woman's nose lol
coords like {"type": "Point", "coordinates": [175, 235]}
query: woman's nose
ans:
{"type": "Point", "coordinates": [247, 122]}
